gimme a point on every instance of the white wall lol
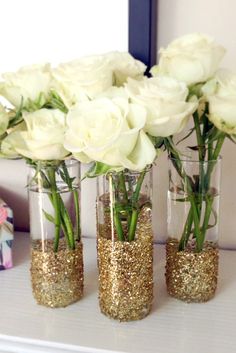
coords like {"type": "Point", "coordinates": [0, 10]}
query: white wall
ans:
{"type": "Point", "coordinates": [60, 30]}
{"type": "Point", "coordinates": [216, 18]}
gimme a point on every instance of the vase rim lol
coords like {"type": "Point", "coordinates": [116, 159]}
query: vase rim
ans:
{"type": "Point", "coordinates": [135, 172]}
{"type": "Point", "coordinates": [70, 162]}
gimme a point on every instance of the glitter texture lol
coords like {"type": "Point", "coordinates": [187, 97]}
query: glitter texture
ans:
{"type": "Point", "coordinates": [126, 272]}
{"type": "Point", "coordinates": [190, 276]}
{"type": "Point", "coordinates": [57, 278]}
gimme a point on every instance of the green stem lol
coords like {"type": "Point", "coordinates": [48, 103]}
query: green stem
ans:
{"type": "Point", "coordinates": [69, 231]}
{"type": "Point", "coordinates": [196, 221]}
{"type": "Point", "coordinates": [125, 193]}
{"type": "Point", "coordinates": [187, 231]}
{"type": "Point", "coordinates": [118, 225]}
{"type": "Point", "coordinates": [114, 212]}
{"type": "Point", "coordinates": [77, 215]}
{"type": "Point", "coordinates": [56, 206]}
{"type": "Point", "coordinates": [178, 165]}
{"type": "Point", "coordinates": [122, 185]}
{"type": "Point", "coordinates": [133, 225]}
{"type": "Point", "coordinates": [76, 202]}
{"type": "Point", "coordinates": [208, 210]}
{"type": "Point", "coordinates": [199, 136]}
{"type": "Point", "coordinates": [211, 165]}
{"type": "Point", "coordinates": [138, 187]}
{"type": "Point", "coordinates": [134, 215]}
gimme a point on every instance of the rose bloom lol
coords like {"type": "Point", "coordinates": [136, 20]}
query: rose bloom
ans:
{"type": "Point", "coordinates": [124, 65]}
{"type": "Point", "coordinates": [193, 58]}
{"type": "Point", "coordinates": [82, 79]}
{"type": "Point", "coordinates": [41, 136]}
{"type": "Point", "coordinates": [4, 120]}
{"type": "Point", "coordinates": [165, 101]}
{"type": "Point", "coordinates": [109, 131]}
{"type": "Point", "coordinates": [28, 82]}
{"type": "Point", "coordinates": [221, 95]}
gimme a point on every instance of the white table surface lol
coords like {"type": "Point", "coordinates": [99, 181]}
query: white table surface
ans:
{"type": "Point", "coordinates": [172, 326]}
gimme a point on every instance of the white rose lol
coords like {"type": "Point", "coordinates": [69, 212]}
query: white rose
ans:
{"type": "Point", "coordinates": [222, 101]}
{"type": "Point", "coordinates": [193, 58]}
{"type": "Point", "coordinates": [82, 79]}
{"type": "Point", "coordinates": [29, 82]}
{"type": "Point", "coordinates": [114, 92]}
{"type": "Point", "coordinates": [165, 101]}
{"type": "Point", "coordinates": [109, 131]}
{"type": "Point", "coordinates": [43, 138]}
{"type": "Point", "coordinates": [4, 120]}
{"type": "Point", "coordinates": [123, 66]}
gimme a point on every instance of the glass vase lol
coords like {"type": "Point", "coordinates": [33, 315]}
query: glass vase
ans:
{"type": "Point", "coordinates": [56, 247]}
{"type": "Point", "coordinates": [125, 244]}
{"type": "Point", "coordinates": [193, 228]}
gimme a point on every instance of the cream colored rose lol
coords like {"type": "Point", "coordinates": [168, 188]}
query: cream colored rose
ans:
{"type": "Point", "coordinates": [123, 66]}
{"type": "Point", "coordinates": [221, 95]}
{"type": "Point", "coordinates": [4, 120]}
{"type": "Point", "coordinates": [164, 99]}
{"type": "Point", "coordinates": [42, 139]}
{"type": "Point", "coordinates": [82, 79]}
{"type": "Point", "coordinates": [193, 58]}
{"type": "Point", "coordinates": [109, 131]}
{"type": "Point", "coordinates": [29, 82]}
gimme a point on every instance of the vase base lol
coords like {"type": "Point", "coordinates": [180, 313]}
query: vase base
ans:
{"type": "Point", "coordinates": [57, 277]}
{"type": "Point", "coordinates": [126, 278]}
{"type": "Point", "coordinates": [123, 315]}
{"type": "Point", "coordinates": [190, 276]}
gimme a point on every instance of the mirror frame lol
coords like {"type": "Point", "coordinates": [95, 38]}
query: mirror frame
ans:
{"type": "Point", "coordinates": [143, 30]}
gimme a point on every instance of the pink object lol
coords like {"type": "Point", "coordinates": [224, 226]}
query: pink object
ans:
{"type": "Point", "coordinates": [6, 236]}
{"type": "Point", "coordinates": [3, 215]}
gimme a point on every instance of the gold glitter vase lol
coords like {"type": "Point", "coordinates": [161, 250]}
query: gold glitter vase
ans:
{"type": "Point", "coordinates": [193, 213]}
{"type": "Point", "coordinates": [125, 245]}
{"type": "Point", "coordinates": [56, 248]}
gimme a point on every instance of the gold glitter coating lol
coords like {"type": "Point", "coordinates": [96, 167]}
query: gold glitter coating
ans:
{"type": "Point", "coordinates": [126, 273]}
{"type": "Point", "coordinates": [57, 277]}
{"type": "Point", "coordinates": [191, 276]}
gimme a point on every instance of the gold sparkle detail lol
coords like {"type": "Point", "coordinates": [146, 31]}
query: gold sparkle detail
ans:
{"type": "Point", "coordinates": [126, 277]}
{"type": "Point", "coordinates": [191, 276]}
{"type": "Point", "coordinates": [57, 277]}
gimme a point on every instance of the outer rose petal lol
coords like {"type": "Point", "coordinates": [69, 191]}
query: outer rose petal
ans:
{"type": "Point", "coordinates": [222, 113]}
{"type": "Point", "coordinates": [143, 154]}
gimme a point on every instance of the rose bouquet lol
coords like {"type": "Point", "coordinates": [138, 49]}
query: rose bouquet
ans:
{"type": "Point", "coordinates": [193, 203]}
{"type": "Point", "coordinates": [34, 125]}
{"type": "Point", "coordinates": [121, 132]}
{"type": "Point", "coordinates": [194, 59]}
{"type": "Point", "coordinates": [37, 135]}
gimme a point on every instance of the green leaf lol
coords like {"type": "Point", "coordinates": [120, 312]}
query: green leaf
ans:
{"type": "Point", "coordinates": [185, 137]}
{"type": "Point", "coordinates": [15, 120]}
{"type": "Point", "coordinates": [232, 138]}
{"type": "Point", "coordinates": [213, 135]}
{"type": "Point", "coordinates": [49, 217]}
{"type": "Point", "coordinates": [55, 102]}
{"type": "Point", "coordinates": [98, 169]}
{"type": "Point", "coordinates": [193, 148]}
{"type": "Point", "coordinates": [158, 142]}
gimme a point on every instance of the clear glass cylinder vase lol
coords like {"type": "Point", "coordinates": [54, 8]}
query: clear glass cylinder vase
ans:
{"type": "Point", "coordinates": [56, 247]}
{"type": "Point", "coordinates": [193, 229]}
{"type": "Point", "coordinates": [125, 244]}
